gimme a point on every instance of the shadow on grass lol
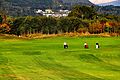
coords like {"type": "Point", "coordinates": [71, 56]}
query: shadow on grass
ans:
{"type": "Point", "coordinates": [90, 58]}
{"type": "Point", "coordinates": [32, 53]}
{"type": "Point", "coordinates": [64, 72]}
{"type": "Point", "coordinates": [6, 72]}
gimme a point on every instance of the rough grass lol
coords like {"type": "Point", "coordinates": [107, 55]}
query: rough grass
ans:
{"type": "Point", "coordinates": [45, 59]}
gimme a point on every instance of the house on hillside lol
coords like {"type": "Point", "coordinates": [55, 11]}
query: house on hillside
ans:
{"type": "Point", "coordinates": [50, 13]}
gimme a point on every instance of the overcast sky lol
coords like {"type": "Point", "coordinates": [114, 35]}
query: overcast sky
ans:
{"type": "Point", "coordinates": [101, 1]}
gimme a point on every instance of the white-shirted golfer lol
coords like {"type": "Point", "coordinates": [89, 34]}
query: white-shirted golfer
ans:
{"type": "Point", "coordinates": [65, 45]}
{"type": "Point", "coordinates": [97, 45]}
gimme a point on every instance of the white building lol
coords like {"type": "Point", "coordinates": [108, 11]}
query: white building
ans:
{"type": "Point", "coordinates": [39, 11]}
{"type": "Point", "coordinates": [49, 12]}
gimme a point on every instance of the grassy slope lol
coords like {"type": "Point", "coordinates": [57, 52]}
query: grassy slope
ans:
{"type": "Point", "coordinates": [45, 59]}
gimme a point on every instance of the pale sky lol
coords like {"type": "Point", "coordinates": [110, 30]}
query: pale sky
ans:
{"type": "Point", "coordinates": [101, 1]}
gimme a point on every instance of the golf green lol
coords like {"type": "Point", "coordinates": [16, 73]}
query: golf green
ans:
{"type": "Point", "coordinates": [46, 59]}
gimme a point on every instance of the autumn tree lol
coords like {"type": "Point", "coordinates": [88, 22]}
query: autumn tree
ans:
{"type": "Point", "coordinates": [4, 28]}
{"type": "Point", "coordinates": [95, 27]}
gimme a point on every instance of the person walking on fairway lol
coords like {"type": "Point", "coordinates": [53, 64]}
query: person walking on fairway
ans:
{"type": "Point", "coordinates": [97, 45]}
{"type": "Point", "coordinates": [85, 45]}
{"type": "Point", "coordinates": [65, 45]}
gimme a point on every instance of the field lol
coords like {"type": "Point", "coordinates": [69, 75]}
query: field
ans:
{"type": "Point", "coordinates": [45, 59]}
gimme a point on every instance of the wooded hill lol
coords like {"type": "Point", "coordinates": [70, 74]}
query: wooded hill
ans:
{"type": "Point", "coordinates": [44, 3]}
{"type": "Point", "coordinates": [28, 7]}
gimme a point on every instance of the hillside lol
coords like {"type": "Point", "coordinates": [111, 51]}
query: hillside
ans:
{"type": "Point", "coordinates": [115, 3]}
{"type": "Point", "coordinates": [28, 7]}
{"type": "Point", "coordinates": [39, 3]}
{"type": "Point", "coordinates": [17, 7]}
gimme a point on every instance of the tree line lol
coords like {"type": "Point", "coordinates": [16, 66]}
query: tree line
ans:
{"type": "Point", "coordinates": [81, 19]}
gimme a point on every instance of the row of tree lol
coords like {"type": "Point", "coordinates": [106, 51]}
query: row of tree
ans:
{"type": "Point", "coordinates": [81, 19]}
{"type": "Point", "coordinates": [50, 25]}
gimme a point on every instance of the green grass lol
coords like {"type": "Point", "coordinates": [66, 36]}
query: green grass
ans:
{"type": "Point", "coordinates": [45, 59]}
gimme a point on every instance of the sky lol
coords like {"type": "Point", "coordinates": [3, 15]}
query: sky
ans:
{"type": "Point", "coordinates": [101, 1]}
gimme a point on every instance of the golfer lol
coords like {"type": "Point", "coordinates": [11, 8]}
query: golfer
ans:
{"type": "Point", "coordinates": [65, 45]}
{"type": "Point", "coordinates": [85, 45]}
{"type": "Point", "coordinates": [97, 45]}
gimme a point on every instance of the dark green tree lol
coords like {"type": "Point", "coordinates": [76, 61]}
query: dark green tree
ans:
{"type": "Point", "coordinates": [15, 26]}
{"type": "Point", "coordinates": [1, 19]}
{"type": "Point", "coordinates": [84, 12]}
